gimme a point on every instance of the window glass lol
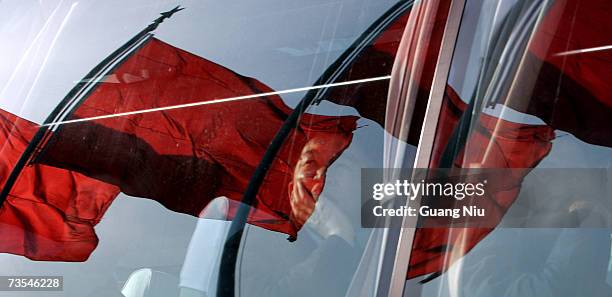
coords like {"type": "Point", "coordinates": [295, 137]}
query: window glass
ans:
{"type": "Point", "coordinates": [130, 182]}
{"type": "Point", "coordinates": [525, 90]}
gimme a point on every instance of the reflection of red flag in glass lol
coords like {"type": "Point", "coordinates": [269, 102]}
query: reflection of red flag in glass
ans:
{"type": "Point", "coordinates": [51, 212]}
{"type": "Point", "coordinates": [181, 158]}
{"type": "Point", "coordinates": [567, 73]}
{"type": "Point", "coordinates": [185, 157]}
{"type": "Point", "coordinates": [506, 145]}
{"type": "Point", "coordinates": [375, 60]}
{"type": "Point", "coordinates": [563, 86]}
{"type": "Point", "coordinates": [423, 38]}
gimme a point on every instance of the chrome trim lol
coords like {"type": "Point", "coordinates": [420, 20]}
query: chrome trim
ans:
{"type": "Point", "coordinates": [398, 248]}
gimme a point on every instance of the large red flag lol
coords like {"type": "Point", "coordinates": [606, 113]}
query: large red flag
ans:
{"type": "Point", "coordinates": [50, 213]}
{"type": "Point", "coordinates": [185, 157]}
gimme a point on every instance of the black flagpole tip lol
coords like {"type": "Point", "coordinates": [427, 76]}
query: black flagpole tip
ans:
{"type": "Point", "coordinates": [164, 15]}
{"type": "Point", "coordinates": [169, 13]}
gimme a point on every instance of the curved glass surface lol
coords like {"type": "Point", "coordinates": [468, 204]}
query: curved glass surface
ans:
{"type": "Point", "coordinates": [526, 90]}
{"type": "Point", "coordinates": [129, 138]}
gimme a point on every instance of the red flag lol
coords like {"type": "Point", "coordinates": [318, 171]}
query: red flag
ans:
{"type": "Point", "coordinates": [50, 213]}
{"type": "Point", "coordinates": [376, 59]}
{"type": "Point", "coordinates": [183, 158]}
{"type": "Point", "coordinates": [567, 72]}
{"type": "Point", "coordinates": [494, 143]}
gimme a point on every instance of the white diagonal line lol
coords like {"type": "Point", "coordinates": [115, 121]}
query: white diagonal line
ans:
{"type": "Point", "coordinates": [224, 100]}
{"type": "Point", "coordinates": [585, 50]}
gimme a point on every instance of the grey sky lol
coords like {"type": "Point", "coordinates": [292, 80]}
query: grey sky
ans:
{"type": "Point", "coordinates": [285, 44]}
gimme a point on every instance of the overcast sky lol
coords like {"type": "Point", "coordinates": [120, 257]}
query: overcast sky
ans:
{"type": "Point", "coordinates": [49, 45]}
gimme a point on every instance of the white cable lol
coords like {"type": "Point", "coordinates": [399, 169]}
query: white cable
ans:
{"type": "Point", "coordinates": [121, 114]}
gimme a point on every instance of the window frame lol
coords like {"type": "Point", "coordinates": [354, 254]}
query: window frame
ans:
{"type": "Point", "coordinates": [398, 241]}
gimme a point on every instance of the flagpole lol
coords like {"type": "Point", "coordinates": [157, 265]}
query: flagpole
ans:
{"type": "Point", "coordinates": [227, 270]}
{"type": "Point", "coordinates": [80, 90]}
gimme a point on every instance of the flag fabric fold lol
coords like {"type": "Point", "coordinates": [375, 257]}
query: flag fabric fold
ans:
{"type": "Point", "coordinates": [50, 214]}
{"type": "Point", "coordinates": [566, 76]}
{"type": "Point", "coordinates": [494, 143]}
